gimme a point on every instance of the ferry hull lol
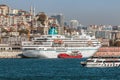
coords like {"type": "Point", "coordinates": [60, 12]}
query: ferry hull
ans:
{"type": "Point", "coordinates": [102, 65]}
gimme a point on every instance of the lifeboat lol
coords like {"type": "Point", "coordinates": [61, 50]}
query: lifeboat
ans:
{"type": "Point", "coordinates": [58, 41]}
{"type": "Point", "coordinates": [65, 55]}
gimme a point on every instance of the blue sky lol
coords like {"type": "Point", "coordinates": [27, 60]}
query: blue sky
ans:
{"type": "Point", "coordinates": [86, 11]}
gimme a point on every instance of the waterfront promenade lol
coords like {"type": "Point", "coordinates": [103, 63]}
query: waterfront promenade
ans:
{"type": "Point", "coordinates": [10, 54]}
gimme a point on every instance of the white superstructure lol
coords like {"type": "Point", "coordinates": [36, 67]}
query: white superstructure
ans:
{"type": "Point", "coordinates": [49, 46]}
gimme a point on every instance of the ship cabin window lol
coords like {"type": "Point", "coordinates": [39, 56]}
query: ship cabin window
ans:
{"type": "Point", "coordinates": [41, 48]}
{"type": "Point", "coordinates": [2, 48]}
{"type": "Point", "coordinates": [14, 48]}
{"type": "Point", "coordinates": [99, 61]}
{"type": "Point", "coordinates": [90, 61]}
{"type": "Point", "coordinates": [116, 65]}
{"type": "Point", "coordinates": [112, 61]}
{"type": "Point", "coordinates": [107, 65]}
{"type": "Point", "coordinates": [27, 43]}
{"type": "Point", "coordinates": [50, 49]}
{"type": "Point", "coordinates": [49, 36]}
{"type": "Point", "coordinates": [111, 64]}
{"type": "Point", "coordinates": [24, 43]}
{"type": "Point", "coordinates": [58, 36]}
{"type": "Point", "coordinates": [29, 49]}
{"type": "Point", "coordinates": [42, 39]}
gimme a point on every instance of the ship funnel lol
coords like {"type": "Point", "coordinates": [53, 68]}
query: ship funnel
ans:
{"type": "Point", "coordinates": [52, 31]}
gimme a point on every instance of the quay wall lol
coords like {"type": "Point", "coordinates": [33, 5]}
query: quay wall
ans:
{"type": "Point", "coordinates": [109, 49]}
{"type": "Point", "coordinates": [10, 54]}
{"type": "Point", "coordinates": [108, 52]}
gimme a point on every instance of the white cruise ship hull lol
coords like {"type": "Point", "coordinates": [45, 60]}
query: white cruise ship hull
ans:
{"type": "Point", "coordinates": [85, 51]}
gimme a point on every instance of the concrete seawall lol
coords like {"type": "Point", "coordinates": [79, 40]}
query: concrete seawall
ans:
{"type": "Point", "coordinates": [10, 54]}
{"type": "Point", "coordinates": [108, 52]}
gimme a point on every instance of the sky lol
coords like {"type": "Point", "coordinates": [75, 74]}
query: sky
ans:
{"type": "Point", "coordinates": [85, 11]}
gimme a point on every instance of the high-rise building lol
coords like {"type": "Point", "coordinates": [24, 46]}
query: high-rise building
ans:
{"type": "Point", "coordinates": [60, 19]}
{"type": "Point", "coordinates": [4, 9]}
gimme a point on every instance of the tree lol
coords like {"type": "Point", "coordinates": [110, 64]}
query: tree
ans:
{"type": "Point", "coordinates": [42, 18]}
{"type": "Point", "coordinates": [4, 30]}
{"type": "Point", "coordinates": [12, 29]}
{"type": "Point", "coordinates": [25, 31]}
{"type": "Point", "coordinates": [117, 43]}
{"type": "Point", "coordinates": [111, 42]}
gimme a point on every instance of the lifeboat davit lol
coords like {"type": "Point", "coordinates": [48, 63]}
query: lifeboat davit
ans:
{"type": "Point", "coordinates": [65, 55]}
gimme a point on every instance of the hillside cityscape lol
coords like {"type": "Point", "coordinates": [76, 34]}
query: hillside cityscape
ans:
{"type": "Point", "coordinates": [20, 25]}
{"type": "Point", "coordinates": [59, 40]}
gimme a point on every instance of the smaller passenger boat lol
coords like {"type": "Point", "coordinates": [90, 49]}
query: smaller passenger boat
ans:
{"type": "Point", "coordinates": [102, 62]}
{"type": "Point", "coordinates": [74, 54]}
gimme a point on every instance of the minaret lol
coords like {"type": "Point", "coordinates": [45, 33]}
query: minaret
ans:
{"type": "Point", "coordinates": [31, 10]}
{"type": "Point", "coordinates": [34, 12]}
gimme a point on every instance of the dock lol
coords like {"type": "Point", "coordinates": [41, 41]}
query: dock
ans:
{"type": "Point", "coordinates": [108, 52]}
{"type": "Point", "coordinates": [10, 54]}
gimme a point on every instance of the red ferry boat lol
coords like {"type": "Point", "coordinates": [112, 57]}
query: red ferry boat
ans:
{"type": "Point", "coordinates": [72, 55]}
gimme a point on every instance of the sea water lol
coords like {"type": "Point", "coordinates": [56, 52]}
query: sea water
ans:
{"type": "Point", "coordinates": [53, 69]}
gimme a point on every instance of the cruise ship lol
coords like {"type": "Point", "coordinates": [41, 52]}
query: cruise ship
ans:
{"type": "Point", "coordinates": [51, 45]}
